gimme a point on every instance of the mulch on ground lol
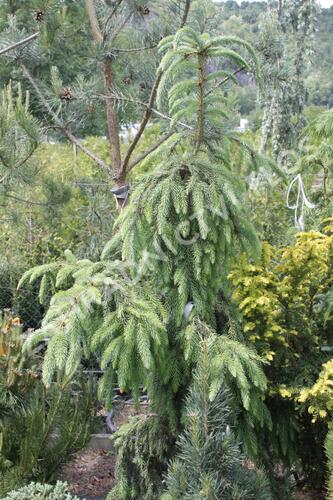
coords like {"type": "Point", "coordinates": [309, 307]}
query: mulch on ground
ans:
{"type": "Point", "coordinates": [90, 474]}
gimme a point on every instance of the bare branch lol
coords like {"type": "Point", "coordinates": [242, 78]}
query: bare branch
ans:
{"type": "Point", "coordinates": [28, 202]}
{"type": "Point", "coordinates": [144, 105]}
{"type": "Point", "coordinates": [108, 19]}
{"type": "Point", "coordinates": [13, 46]}
{"type": "Point", "coordinates": [224, 80]}
{"type": "Point", "coordinates": [150, 150]}
{"type": "Point", "coordinates": [143, 123]}
{"type": "Point", "coordinates": [186, 11]}
{"type": "Point", "coordinates": [94, 21]}
{"type": "Point", "coordinates": [58, 123]}
{"type": "Point", "coordinates": [137, 49]}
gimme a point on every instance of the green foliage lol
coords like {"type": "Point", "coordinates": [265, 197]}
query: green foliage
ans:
{"type": "Point", "coordinates": [97, 309]}
{"type": "Point", "coordinates": [329, 455]}
{"type": "Point", "coordinates": [283, 302]}
{"type": "Point", "coordinates": [144, 447]}
{"type": "Point", "coordinates": [208, 462]}
{"type": "Point", "coordinates": [189, 212]}
{"type": "Point", "coordinates": [19, 137]}
{"type": "Point", "coordinates": [39, 491]}
{"type": "Point", "coordinates": [285, 44]}
{"type": "Point", "coordinates": [38, 427]}
{"type": "Point", "coordinates": [319, 396]}
{"type": "Point", "coordinates": [196, 99]}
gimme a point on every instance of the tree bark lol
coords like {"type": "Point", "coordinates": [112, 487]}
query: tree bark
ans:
{"type": "Point", "coordinates": [112, 123]}
{"type": "Point", "coordinates": [111, 114]}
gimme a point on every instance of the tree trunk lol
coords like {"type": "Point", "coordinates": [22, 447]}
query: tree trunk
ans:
{"type": "Point", "coordinates": [111, 114]}
{"type": "Point", "coordinates": [112, 123]}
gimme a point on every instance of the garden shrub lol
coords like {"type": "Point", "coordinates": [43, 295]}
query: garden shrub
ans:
{"type": "Point", "coordinates": [37, 491]}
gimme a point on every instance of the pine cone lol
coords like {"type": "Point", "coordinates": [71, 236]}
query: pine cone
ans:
{"type": "Point", "coordinates": [38, 15]}
{"type": "Point", "coordinates": [66, 94]}
{"type": "Point", "coordinates": [90, 106]}
{"type": "Point", "coordinates": [144, 10]}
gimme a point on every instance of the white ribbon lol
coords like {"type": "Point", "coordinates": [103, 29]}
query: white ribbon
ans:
{"type": "Point", "coordinates": [301, 201]}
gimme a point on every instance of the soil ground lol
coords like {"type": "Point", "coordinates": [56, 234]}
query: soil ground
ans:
{"type": "Point", "coordinates": [91, 473]}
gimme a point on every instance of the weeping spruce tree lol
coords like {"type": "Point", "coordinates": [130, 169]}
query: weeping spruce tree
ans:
{"type": "Point", "coordinates": [158, 290]}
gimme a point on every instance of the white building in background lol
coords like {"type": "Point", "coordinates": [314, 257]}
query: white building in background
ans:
{"type": "Point", "coordinates": [243, 124]}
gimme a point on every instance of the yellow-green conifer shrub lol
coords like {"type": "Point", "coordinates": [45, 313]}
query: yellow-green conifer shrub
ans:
{"type": "Point", "coordinates": [283, 301]}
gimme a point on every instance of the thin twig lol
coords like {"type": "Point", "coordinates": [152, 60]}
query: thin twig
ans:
{"type": "Point", "coordinates": [144, 105]}
{"type": "Point", "coordinates": [28, 202]}
{"type": "Point", "coordinates": [150, 150]}
{"type": "Point", "coordinates": [13, 46]}
{"type": "Point", "coordinates": [136, 49]}
{"type": "Point", "coordinates": [224, 80]}
{"type": "Point", "coordinates": [108, 19]}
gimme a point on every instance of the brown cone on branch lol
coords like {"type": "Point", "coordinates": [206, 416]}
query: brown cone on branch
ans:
{"type": "Point", "coordinates": [38, 15]}
{"type": "Point", "coordinates": [90, 106]}
{"type": "Point", "coordinates": [144, 10]}
{"type": "Point", "coordinates": [66, 94]}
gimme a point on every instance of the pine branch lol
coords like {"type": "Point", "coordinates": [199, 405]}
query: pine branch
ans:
{"type": "Point", "coordinates": [58, 123]}
{"type": "Point", "coordinates": [13, 46]}
{"type": "Point", "coordinates": [108, 19]}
